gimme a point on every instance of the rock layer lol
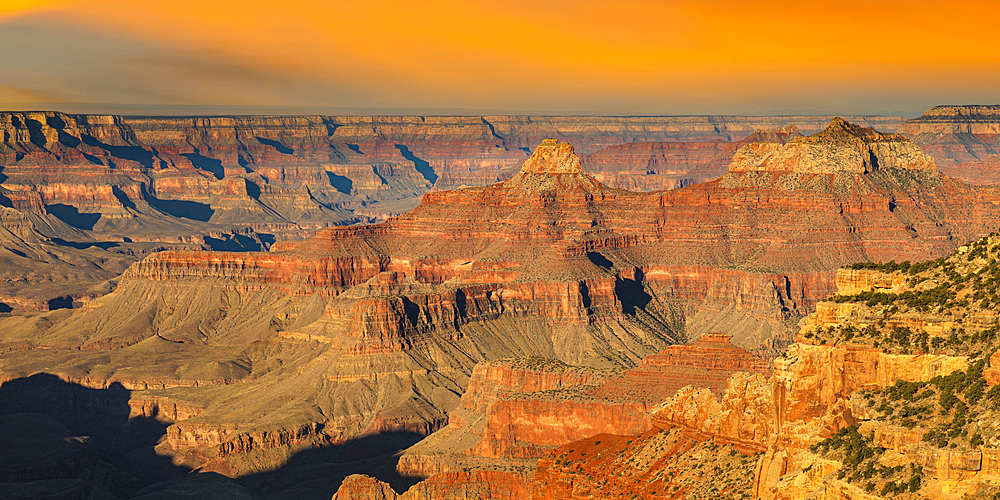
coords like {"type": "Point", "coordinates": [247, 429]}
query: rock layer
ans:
{"type": "Point", "coordinates": [962, 139]}
{"type": "Point", "coordinates": [361, 331]}
{"type": "Point", "coordinates": [841, 147]}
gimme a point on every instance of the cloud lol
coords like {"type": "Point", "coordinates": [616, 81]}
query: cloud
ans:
{"type": "Point", "coordinates": [53, 60]}
{"type": "Point", "coordinates": [20, 95]}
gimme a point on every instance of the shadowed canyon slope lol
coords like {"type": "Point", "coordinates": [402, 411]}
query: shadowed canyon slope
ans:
{"type": "Point", "coordinates": [368, 330]}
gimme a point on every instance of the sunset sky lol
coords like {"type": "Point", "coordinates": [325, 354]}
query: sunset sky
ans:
{"type": "Point", "coordinates": [617, 57]}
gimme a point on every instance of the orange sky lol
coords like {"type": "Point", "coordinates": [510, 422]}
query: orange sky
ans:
{"type": "Point", "coordinates": [608, 57]}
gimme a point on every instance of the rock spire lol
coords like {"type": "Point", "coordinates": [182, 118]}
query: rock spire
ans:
{"type": "Point", "coordinates": [553, 157]}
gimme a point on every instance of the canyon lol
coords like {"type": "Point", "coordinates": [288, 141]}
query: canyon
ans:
{"type": "Point", "coordinates": [887, 392]}
{"type": "Point", "coordinates": [109, 190]}
{"type": "Point", "coordinates": [104, 191]}
{"type": "Point", "coordinates": [490, 323]}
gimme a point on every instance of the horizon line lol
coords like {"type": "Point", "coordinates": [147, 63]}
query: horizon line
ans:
{"type": "Point", "coordinates": [219, 111]}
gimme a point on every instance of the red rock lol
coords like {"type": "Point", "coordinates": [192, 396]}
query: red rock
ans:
{"type": "Point", "coordinates": [361, 487]}
{"type": "Point", "coordinates": [522, 409]}
{"type": "Point", "coordinates": [450, 486]}
{"type": "Point", "coordinates": [962, 139]}
{"type": "Point", "coordinates": [383, 324]}
{"type": "Point", "coordinates": [655, 464]}
{"type": "Point", "coordinates": [743, 415]}
{"type": "Point", "coordinates": [708, 362]}
{"type": "Point", "coordinates": [655, 166]}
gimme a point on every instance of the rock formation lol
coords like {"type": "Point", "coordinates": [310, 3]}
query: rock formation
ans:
{"type": "Point", "coordinates": [886, 393]}
{"type": "Point", "coordinates": [515, 411]}
{"type": "Point", "coordinates": [455, 485]}
{"type": "Point", "coordinates": [962, 139]}
{"type": "Point", "coordinates": [125, 186]}
{"type": "Point", "coordinates": [375, 330]}
{"type": "Point", "coordinates": [894, 364]}
{"type": "Point", "coordinates": [841, 147]}
{"type": "Point", "coordinates": [653, 166]}
{"type": "Point", "coordinates": [888, 399]}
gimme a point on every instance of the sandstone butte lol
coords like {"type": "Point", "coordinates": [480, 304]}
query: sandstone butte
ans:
{"type": "Point", "coordinates": [371, 330]}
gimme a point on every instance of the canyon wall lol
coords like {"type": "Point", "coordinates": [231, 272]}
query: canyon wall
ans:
{"type": "Point", "coordinates": [315, 170]}
{"type": "Point", "coordinates": [964, 140]}
{"type": "Point", "coordinates": [367, 331]}
{"type": "Point", "coordinates": [124, 187]}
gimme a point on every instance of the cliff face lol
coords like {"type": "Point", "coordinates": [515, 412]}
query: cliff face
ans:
{"type": "Point", "coordinates": [514, 411]}
{"type": "Point", "coordinates": [517, 411]}
{"type": "Point", "coordinates": [742, 415]}
{"type": "Point", "coordinates": [962, 139]}
{"type": "Point", "coordinates": [525, 408]}
{"type": "Point", "coordinates": [895, 364]}
{"type": "Point", "coordinates": [864, 406]}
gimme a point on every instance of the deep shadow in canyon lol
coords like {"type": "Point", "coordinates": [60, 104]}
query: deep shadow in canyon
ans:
{"type": "Point", "coordinates": [63, 440]}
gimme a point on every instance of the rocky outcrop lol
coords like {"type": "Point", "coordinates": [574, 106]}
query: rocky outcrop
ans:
{"type": "Point", "coordinates": [808, 399]}
{"type": "Point", "coordinates": [361, 487]}
{"type": "Point", "coordinates": [522, 428]}
{"type": "Point", "coordinates": [852, 281]}
{"type": "Point", "coordinates": [710, 359]}
{"type": "Point", "coordinates": [743, 415]}
{"type": "Point", "coordinates": [873, 347]}
{"type": "Point", "coordinates": [553, 157]}
{"type": "Point", "coordinates": [531, 408]}
{"type": "Point", "coordinates": [521, 409]}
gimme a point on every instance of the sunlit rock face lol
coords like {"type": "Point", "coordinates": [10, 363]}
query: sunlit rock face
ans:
{"type": "Point", "coordinates": [841, 147]}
